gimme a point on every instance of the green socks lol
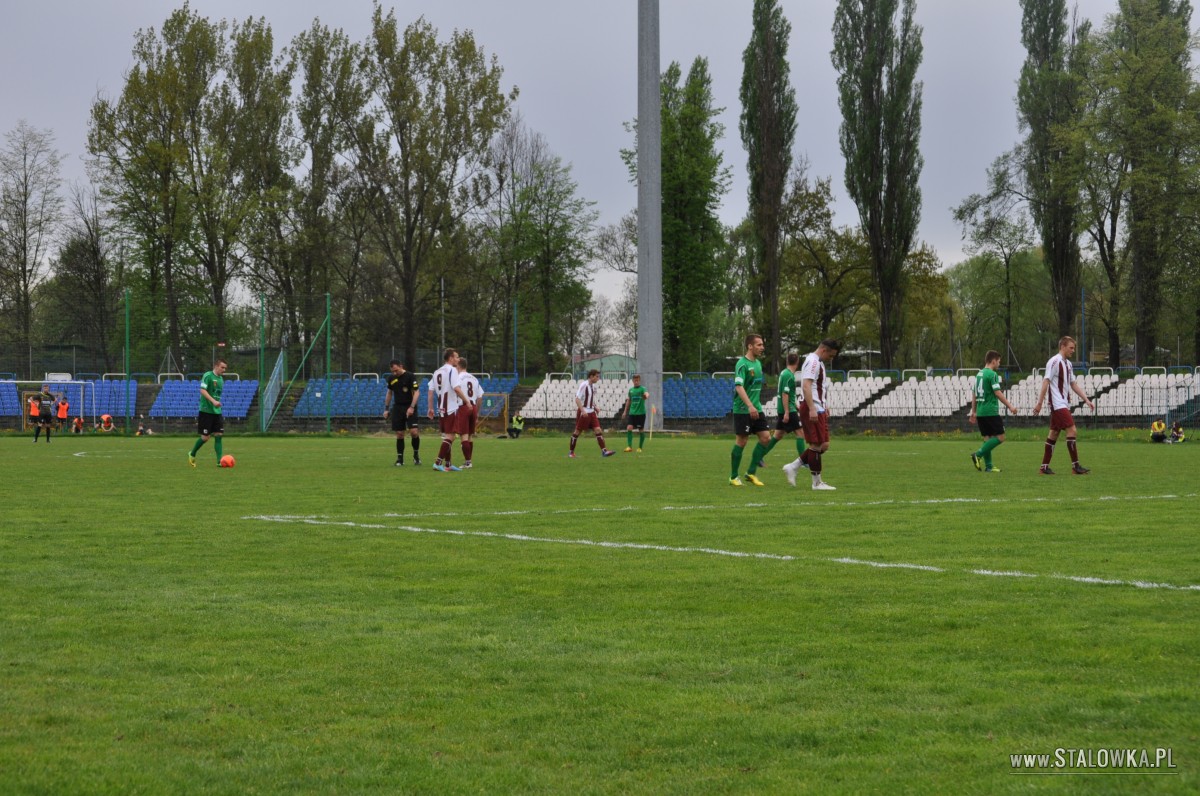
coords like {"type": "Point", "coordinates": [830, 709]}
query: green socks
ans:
{"type": "Point", "coordinates": [196, 447]}
{"type": "Point", "coordinates": [735, 460]}
{"type": "Point", "coordinates": [628, 439]}
{"type": "Point", "coordinates": [800, 446]}
{"type": "Point", "coordinates": [642, 439]}
{"type": "Point", "coordinates": [217, 443]}
{"type": "Point", "coordinates": [985, 450]}
{"type": "Point", "coordinates": [760, 451]}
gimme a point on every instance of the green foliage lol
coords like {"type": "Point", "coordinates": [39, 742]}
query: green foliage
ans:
{"type": "Point", "coordinates": [1049, 106]}
{"type": "Point", "coordinates": [978, 285]}
{"type": "Point", "coordinates": [826, 271]}
{"type": "Point", "coordinates": [768, 130]}
{"type": "Point", "coordinates": [1145, 68]}
{"type": "Point", "coordinates": [880, 100]}
{"type": "Point", "coordinates": [694, 179]}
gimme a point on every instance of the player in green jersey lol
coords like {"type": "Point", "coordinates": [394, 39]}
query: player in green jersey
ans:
{"type": "Point", "coordinates": [787, 412]}
{"type": "Point", "coordinates": [209, 421]}
{"type": "Point", "coordinates": [985, 411]}
{"type": "Point", "coordinates": [635, 414]}
{"type": "Point", "coordinates": [748, 417]}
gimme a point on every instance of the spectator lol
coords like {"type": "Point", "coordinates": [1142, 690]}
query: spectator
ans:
{"type": "Point", "coordinates": [64, 408]}
{"type": "Point", "coordinates": [1177, 434]}
{"type": "Point", "coordinates": [77, 425]}
{"type": "Point", "coordinates": [105, 424]}
{"type": "Point", "coordinates": [516, 425]}
{"type": "Point", "coordinates": [1158, 431]}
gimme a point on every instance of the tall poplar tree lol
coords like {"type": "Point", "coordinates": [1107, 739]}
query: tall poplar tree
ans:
{"type": "Point", "coordinates": [768, 129]}
{"type": "Point", "coordinates": [1049, 107]}
{"type": "Point", "coordinates": [435, 108]}
{"type": "Point", "coordinates": [693, 181]}
{"type": "Point", "coordinates": [880, 100]}
{"type": "Point", "coordinates": [1150, 75]}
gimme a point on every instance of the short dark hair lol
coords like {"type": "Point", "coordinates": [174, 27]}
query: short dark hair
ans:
{"type": "Point", "coordinates": [750, 338]}
{"type": "Point", "coordinates": [990, 355]}
{"type": "Point", "coordinates": [219, 361]}
{"type": "Point", "coordinates": [793, 358]}
{"type": "Point", "coordinates": [832, 344]}
{"type": "Point", "coordinates": [593, 372]}
{"type": "Point", "coordinates": [462, 362]}
{"type": "Point", "coordinates": [449, 352]}
{"type": "Point", "coordinates": [396, 363]}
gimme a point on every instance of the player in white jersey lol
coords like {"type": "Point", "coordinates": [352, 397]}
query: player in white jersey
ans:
{"type": "Point", "coordinates": [468, 413]}
{"type": "Point", "coordinates": [814, 417]}
{"type": "Point", "coordinates": [586, 415]}
{"type": "Point", "coordinates": [447, 397]}
{"type": "Point", "coordinates": [1059, 383]}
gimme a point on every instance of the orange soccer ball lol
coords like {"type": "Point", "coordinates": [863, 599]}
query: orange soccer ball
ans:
{"type": "Point", "coordinates": [228, 461]}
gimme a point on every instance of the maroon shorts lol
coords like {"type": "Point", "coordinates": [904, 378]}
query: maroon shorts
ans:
{"type": "Point", "coordinates": [448, 424]}
{"type": "Point", "coordinates": [1060, 420]}
{"type": "Point", "coordinates": [584, 421]}
{"type": "Point", "coordinates": [465, 423]}
{"type": "Point", "coordinates": [816, 429]}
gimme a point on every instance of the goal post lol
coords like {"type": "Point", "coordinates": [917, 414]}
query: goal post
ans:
{"type": "Point", "coordinates": [493, 412]}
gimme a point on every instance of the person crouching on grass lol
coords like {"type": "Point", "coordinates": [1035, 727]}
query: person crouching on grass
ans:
{"type": "Point", "coordinates": [985, 410]}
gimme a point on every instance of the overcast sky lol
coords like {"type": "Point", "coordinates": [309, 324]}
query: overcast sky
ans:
{"type": "Point", "coordinates": [575, 63]}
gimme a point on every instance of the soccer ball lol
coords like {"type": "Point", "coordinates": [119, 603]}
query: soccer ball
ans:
{"type": "Point", "coordinates": [228, 461]}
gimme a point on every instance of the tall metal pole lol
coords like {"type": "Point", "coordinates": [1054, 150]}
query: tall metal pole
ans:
{"type": "Point", "coordinates": [328, 365]}
{"type": "Point", "coordinates": [515, 371]}
{"type": "Point", "coordinates": [649, 324]}
{"type": "Point", "coordinates": [127, 363]}
{"type": "Point", "coordinates": [262, 354]}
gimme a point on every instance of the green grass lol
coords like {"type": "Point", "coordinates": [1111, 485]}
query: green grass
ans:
{"type": "Point", "coordinates": [156, 638]}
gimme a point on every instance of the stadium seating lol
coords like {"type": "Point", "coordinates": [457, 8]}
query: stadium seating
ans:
{"type": "Point", "coordinates": [845, 396]}
{"type": "Point", "coordinates": [555, 398]}
{"type": "Point", "coordinates": [936, 396]}
{"type": "Point", "coordinates": [365, 397]}
{"type": "Point", "coordinates": [695, 398]}
{"type": "Point", "coordinates": [10, 399]}
{"type": "Point", "coordinates": [92, 398]}
{"type": "Point", "coordinates": [1149, 396]}
{"type": "Point", "coordinates": [1024, 394]}
{"type": "Point", "coordinates": [182, 399]}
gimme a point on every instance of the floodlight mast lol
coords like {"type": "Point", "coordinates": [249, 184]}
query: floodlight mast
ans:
{"type": "Point", "coordinates": [649, 170]}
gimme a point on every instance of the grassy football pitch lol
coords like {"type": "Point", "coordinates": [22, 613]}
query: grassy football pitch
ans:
{"type": "Point", "coordinates": [317, 620]}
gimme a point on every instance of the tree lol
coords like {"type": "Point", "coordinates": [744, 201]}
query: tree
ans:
{"type": "Point", "coordinates": [998, 231]}
{"type": "Point", "coordinates": [84, 294]}
{"type": "Point", "coordinates": [138, 150]}
{"type": "Point", "coordinates": [30, 213]}
{"type": "Point", "coordinates": [1048, 106]}
{"type": "Point", "coordinates": [615, 245]}
{"type": "Point", "coordinates": [505, 235]}
{"type": "Point", "coordinates": [423, 148]}
{"type": "Point", "coordinates": [880, 100]}
{"type": "Point", "coordinates": [693, 181]}
{"type": "Point", "coordinates": [1148, 68]}
{"type": "Point", "coordinates": [312, 217]}
{"type": "Point", "coordinates": [559, 225]}
{"type": "Point", "coordinates": [768, 129]}
{"type": "Point", "coordinates": [827, 271]}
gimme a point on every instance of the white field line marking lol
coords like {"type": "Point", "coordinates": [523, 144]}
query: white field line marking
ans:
{"type": "Point", "coordinates": [504, 513]}
{"type": "Point", "coordinates": [712, 551]}
{"type": "Point", "coordinates": [798, 503]}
